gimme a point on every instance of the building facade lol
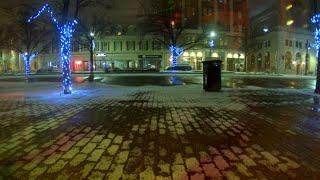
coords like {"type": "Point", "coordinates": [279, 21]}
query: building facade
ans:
{"type": "Point", "coordinates": [229, 20]}
{"type": "Point", "coordinates": [283, 50]}
{"type": "Point", "coordinates": [281, 39]}
{"type": "Point", "coordinates": [129, 52]}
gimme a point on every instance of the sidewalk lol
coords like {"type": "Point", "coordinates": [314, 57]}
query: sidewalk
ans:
{"type": "Point", "coordinates": [152, 132]}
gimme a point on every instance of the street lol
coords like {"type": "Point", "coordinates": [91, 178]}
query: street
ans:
{"type": "Point", "coordinates": [159, 127]}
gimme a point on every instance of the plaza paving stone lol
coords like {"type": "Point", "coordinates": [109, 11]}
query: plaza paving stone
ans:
{"type": "Point", "coordinates": [152, 132]}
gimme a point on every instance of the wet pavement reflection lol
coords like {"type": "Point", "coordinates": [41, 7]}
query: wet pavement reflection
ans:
{"type": "Point", "coordinates": [229, 82]}
{"type": "Point", "coordinates": [168, 80]}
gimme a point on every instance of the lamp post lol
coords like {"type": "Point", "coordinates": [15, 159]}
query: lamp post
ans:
{"type": "Point", "coordinates": [212, 42]}
{"type": "Point", "coordinates": [91, 66]}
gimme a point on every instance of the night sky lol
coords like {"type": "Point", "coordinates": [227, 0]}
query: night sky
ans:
{"type": "Point", "coordinates": [125, 9]}
{"type": "Point", "coordinates": [259, 5]}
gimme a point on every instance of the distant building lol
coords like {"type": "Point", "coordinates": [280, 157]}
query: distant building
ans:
{"type": "Point", "coordinates": [229, 19]}
{"type": "Point", "coordinates": [9, 59]}
{"type": "Point", "coordinates": [121, 52]}
{"type": "Point", "coordinates": [136, 51]}
{"type": "Point", "coordinates": [281, 39]}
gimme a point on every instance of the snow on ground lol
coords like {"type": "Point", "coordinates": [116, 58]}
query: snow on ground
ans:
{"type": "Point", "coordinates": [187, 74]}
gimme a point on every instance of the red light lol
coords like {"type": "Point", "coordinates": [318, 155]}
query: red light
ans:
{"type": "Point", "coordinates": [78, 62]}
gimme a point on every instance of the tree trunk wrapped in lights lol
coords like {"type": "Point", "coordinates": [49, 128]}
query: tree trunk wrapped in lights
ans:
{"type": "Point", "coordinates": [175, 54]}
{"type": "Point", "coordinates": [66, 31]}
{"type": "Point", "coordinates": [66, 26]}
{"type": "Point", "coordinates": [316, 20]}
{"type": "Point", "coordinates": [27, 58]}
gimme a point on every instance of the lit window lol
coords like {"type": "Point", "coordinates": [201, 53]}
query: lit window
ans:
{"type": "Point", "coordinates": [290, 22]}
{"type": "Point", "coordinates": [215, 55]}
{"type": "Point", "coordinates": [289, 7]}
{"type": "Point", "coordinates": [186, 54]}
{"type": "Point", "coordinates": [199, 54]}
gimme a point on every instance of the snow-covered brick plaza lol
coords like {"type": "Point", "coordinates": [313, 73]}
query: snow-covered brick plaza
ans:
{"type": "Point", "coordinates": [164, 132]}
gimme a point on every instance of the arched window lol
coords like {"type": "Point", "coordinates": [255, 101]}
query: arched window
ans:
{"type": "Point", "coordinates": [252, 62]}
{"type": "Point", "coordinates": [298, 57]}
{"type": "Point", "coordinates": [259, 62]}
{"type": "Point", "coordinates": [288, 61]}
{"type": "Point", "coordinates": [267, 61]}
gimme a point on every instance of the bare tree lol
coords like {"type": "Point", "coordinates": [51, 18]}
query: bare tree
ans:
{"type": "Point", "coordinates": [162, 19]}
{"type": "Point", "coordinates": [28, 39]}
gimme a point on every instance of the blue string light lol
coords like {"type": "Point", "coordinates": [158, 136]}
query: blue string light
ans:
{"type": "Point", "coordinates": [212, 43]}
{"type": "Point", "coordinates": [27, 58]}
{"type": "Point", "coordinates": [66, 32]}
{"type": "Point", "coordinates": [175, 54]}
{"type": "Point", "coordinates": [45, 9]}
{"type": "Point", "coordinates": [316, 20]}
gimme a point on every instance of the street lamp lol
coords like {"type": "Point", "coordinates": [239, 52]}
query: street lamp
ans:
{"type": "Point", "coordinates": [265, 29]}
{"type": "Point", "coordinates": [212, 42]}
{"type": "Point", "coordinates": [92, 47]}
{"type": "Point", "coordinates": [213, 34]}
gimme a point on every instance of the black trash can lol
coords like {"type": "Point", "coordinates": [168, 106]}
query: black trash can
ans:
{"type": "Point", "coordinates": [212, 75]}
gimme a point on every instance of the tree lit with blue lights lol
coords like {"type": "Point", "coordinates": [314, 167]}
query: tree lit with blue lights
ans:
{"type": "Point", "coordinates": [316, 21]}
{"type": "Point", "coordinates": [27, 59]}
{"type": "Point", "coordinates": [66, 31]}
{"type": "Point", "coordinates": [175, 54]}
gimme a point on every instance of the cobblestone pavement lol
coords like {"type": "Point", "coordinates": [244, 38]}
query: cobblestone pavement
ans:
{"type": "Point", "coordinates": [113, 132]}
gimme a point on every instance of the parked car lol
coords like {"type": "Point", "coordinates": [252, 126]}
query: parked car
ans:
{"type": "Point", "coordinates": [45, 70]}
{"type": "Point", "coordinates": [180, 68]}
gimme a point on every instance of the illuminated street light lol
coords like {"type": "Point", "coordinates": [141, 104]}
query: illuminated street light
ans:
{"type": "Point", "coordinates": [290, 22]}
{"type": "Point", "coordinates": [213, 34]}
{"type": "Point", "coordinates": [173, 23]}
{"type": "Point", "coordinates": [212, 42]}
{"type": "Point", "coordinates": [265, 29]}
